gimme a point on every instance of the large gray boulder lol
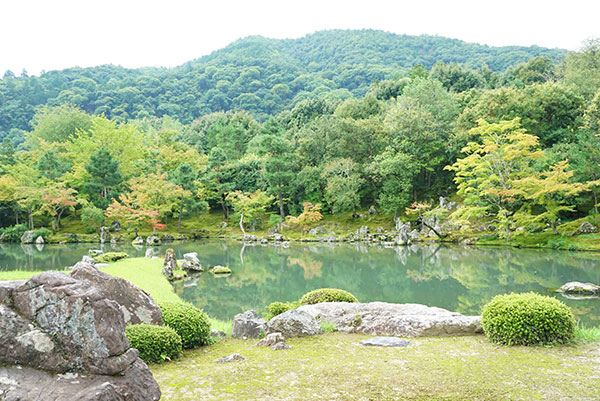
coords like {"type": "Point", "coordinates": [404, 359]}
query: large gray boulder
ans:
{"type": "Point", "coordinates": [62, 339]}
{"type": "Point", "coordinates": [27, 237]}
{"type": "Point", "coordinates": [248, 325]}
{"type": "Point", "coordinates": [136, 304]}
{"type": "Point", "coordinates": [404, 320]}
{"type": "Point", "coordinates": [294, 323]}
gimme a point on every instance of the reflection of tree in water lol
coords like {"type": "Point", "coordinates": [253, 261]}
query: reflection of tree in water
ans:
{"type": "Point", "coordinates": [455, 278]}
{"type": "Point", "coordinates": [311, 267]}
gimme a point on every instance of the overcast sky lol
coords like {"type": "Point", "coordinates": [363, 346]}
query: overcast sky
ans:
{"type": "Point", "coordinates": [56, 34]}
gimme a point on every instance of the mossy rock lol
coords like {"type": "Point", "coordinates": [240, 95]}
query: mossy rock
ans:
{"type": "Point", "coordinates": [220, 270]}
{"type": "Point", "coordinates": [110, 257]}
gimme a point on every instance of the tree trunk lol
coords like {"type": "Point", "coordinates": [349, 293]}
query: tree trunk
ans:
{"type": "Point", "coordinates": [242, 224]}
{"type": "Point", "coordinates": [180, 213]}
{"type": "Point", "coordinates": [595, 199]}
{"type": "Point", "coordinates": [281, 212]}
{"type": "Point", "coordinates": [58, 220]}
{"type": "Point", "coordinates": [224, 207]}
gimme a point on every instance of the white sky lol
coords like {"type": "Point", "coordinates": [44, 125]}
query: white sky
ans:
{"type": "Point", "coordinates": [54, 34]}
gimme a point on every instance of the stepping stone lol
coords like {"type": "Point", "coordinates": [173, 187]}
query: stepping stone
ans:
{"type": "Point", "coordinates": [385, 342]}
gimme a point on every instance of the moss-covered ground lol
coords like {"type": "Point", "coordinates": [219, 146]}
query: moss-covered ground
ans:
{"type": "Point", "coordinates": [335, 367]}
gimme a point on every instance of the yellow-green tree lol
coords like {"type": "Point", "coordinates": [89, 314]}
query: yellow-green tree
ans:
{"type": "Point", "coordinates": [545, 193]}
{"type": "Point", "coordinates": [502, 154]}
{"type": "Point", "coordinates": [251, 206]}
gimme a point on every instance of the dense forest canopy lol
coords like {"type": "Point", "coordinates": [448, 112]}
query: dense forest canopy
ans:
{"type": "Point", "coordinates": [519, 147]}
{"type": "Point", "coordinates": [259, 75]}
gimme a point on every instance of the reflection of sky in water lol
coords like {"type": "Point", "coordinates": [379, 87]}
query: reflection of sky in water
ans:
{"type": "Point", "coordinates": [455, 278]}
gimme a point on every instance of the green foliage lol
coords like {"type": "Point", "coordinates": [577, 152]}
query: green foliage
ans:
{"type": "Point", "coordinates": [327, 295]}
{"type": "Point", "coordinates": [105, 177]}
{"type": "Point", "coordinates": [42, 232]}
{"type": "Point", "coordinates": [92, 218]}
{"type": "Point", "coordinates": [327, 327]}
{"type": "Point", "coordinates": [277, 308]}
{"type": "Point", "coordinates": [585, 335]}
{"type": "Point", "coordinates": [13, 233]}
{"type": "Point", "coordinates": [527, 319]}
{"type": "Point", "coordinates": [109, 257]}
{"type": "Point", "coordinates": [156, 344]}
{"type": "Point", "coordinates": [189, 322]}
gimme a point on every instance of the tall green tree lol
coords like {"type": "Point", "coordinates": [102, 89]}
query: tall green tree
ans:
{"type": "Point", "coordinates": [105, 178]}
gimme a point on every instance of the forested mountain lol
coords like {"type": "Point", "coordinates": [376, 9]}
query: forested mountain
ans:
{"type": "Point", "coordinates": [518, 149]}
{"type": "Point", "coordinates": [262, 76]}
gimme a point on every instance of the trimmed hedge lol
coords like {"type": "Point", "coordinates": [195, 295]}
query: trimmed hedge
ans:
{"type": "Point", "coordinates": [277, 308]}
{"type": "Point", "coordinates": [327, 295]}
{"type": "Point", "coordinates": [156, 344]}
{"type": "Point", "coordinates": [527, 319]}
{"type": "Point", "coordinates": [188, 321]}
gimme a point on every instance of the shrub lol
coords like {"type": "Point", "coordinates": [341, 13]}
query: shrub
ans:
{"type": "Point", "coordinates": [277, 308]}
{"type": "Point", "coordinates": [188, 321]}
{"type": "Point", "coordinates": [110, 257]}
{"type": "Point", "coordinates": [527, 319]}
{"type": "Point", "coordinates": [42, 232]}
{"type": "Point", "coordinates": [156, 344]}
{"type": "Point", "coordinates": [327, 295]}
{"type": "Point", "coordinates": [14, 233]}
{"type": "Point", "coordinates": [91, 217]}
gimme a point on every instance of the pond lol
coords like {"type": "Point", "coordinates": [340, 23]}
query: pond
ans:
{"type": "Point", "coordinates": [452, 277]}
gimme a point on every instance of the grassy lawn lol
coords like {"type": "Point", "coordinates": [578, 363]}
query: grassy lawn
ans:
{"type": "Point", "coordinates": [334, 367]}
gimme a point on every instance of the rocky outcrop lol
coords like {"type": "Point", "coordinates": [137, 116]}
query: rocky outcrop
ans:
{"type": "Point", "coordinates": [136, 304]}
{"type": "Point", "coordinates": [39, 240]}
{"type": "Point", "coordinates": [405, 320]}
{"type": "Point", "coordinates": [585, 228]}
{"type": "Point", "coordinates": [104, 234]}
{"type": "Point", "coordinates": [294, 323]}
{"type": "Point", "coordinates": [53, 328]}
{"type": "Point", "coordinates": [248, 325]}
{"type": "Point", "coordinates": [582, 289]}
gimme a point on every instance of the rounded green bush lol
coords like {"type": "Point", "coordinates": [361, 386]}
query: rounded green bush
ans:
{"type": "Point", "coordinates": [156, 344]}
{"type": "Point", "coordinates": [188, 321]}
{"type": "Point", "coordinates": [327, 295]}
{"type": "Point", "coordinates": [527, 319]}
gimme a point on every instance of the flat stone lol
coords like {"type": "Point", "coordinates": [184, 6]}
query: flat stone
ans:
{"type": "Point", "coordinates": [385, 342]}
{"type": "Point", "coordinates": [230, 358]}
{"type": "Point", "coordinates": [577, 288]}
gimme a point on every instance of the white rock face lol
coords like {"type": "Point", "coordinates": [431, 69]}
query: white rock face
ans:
{"type": "Point", "coordinates": [404, 320]}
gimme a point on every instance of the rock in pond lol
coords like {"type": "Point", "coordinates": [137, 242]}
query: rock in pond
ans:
{"type": "Point", "coordinates": [220, 270]}
{"type": "Point", "coordinates": [577, 288]}
{"type": "Point", "coordinates": [153, 240]}
{"type": "Point", "coordinates": [405, 320]}
{"type": "Point", "coordinates": [136, 304]}
{"type": "Point", "coordinates": [294, 323]}
{"type": "Point", "coordinates": [248, 325]}
{"type": "Point", "coordinates": [39, 240]}
{"type": "Point", "coordinates": [137, 241]}
{"type": "Point", "coordinates": [385, 342]}
{"type": "Point", "coordinates": [170, 264]}
{"type": "Point", "coordinates": [191, 262]}
{"type": "Point", "coordinates": [43, 317]}
{"type": "Point", "coordinates": [149, 253]}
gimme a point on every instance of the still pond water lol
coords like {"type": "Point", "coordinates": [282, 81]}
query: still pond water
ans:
{"type": "Point", "coordinates": [456, 278]}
